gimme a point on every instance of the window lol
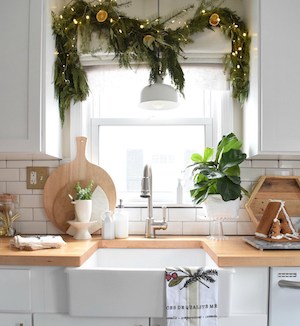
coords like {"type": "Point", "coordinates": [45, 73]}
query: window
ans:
{"type": "Point", "coordinates": [125, 137]}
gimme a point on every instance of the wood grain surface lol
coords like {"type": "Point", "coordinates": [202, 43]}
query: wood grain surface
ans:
{"type": "Point", "coordinates": [61, 182]}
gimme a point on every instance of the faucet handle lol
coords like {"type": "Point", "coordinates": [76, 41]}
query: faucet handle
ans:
{"type": "Point", "coordinates": [164, 213]}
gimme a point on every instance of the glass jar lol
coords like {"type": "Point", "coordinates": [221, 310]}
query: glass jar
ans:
{"type": "Point", "coordinates": [8, 214]}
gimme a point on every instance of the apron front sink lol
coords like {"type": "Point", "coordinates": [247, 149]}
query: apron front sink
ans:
{"type": "Point", "coordinates": [126, 282]}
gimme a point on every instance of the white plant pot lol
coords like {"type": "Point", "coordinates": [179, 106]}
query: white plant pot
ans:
{"type": "Point", "coordinates": [216, 208]}
{"type": "Point", "coordinates": [83, 210]}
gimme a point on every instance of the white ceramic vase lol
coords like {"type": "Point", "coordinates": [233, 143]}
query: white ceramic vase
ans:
{"type": "Point", "coordinates": [83, 210]}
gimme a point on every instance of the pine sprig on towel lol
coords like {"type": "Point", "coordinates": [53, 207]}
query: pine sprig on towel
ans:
{"type": "Point", "coordinates": [202, 276]}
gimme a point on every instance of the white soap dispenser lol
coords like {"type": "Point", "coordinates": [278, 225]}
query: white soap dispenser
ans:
{"type": "Point", "coordinates": [108, 229]}
{"type": "Point", "coordinates": [179, 192]}
{"type": "Point", "coordinates": [121, 222]}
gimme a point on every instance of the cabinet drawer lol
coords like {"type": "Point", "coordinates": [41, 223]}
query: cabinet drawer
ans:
{"type": "Point", "coordinates": [15, 320]}
{"type": "Point", "coordinates": [15, 285]}
{"type": "Point", "coordinates": [66, 320]}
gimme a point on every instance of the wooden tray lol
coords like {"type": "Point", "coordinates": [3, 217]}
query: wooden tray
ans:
{"type": "Point", "coordinates": [61, 182]}
{"type": "Point", "coordinates": [274, 187]}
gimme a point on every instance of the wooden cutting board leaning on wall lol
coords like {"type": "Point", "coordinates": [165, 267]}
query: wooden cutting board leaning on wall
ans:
{"type": "Point", "coordinates": [61, 182]}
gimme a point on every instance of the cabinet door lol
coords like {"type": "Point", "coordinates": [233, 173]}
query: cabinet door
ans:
{"type": "Point", "coordinates": [65, 320]}
{"type": "Point", "coordinates": [20, 74]}
{"type": "Point", "coordinates": [280, 76]}
{"type": "Point", "coordinates": [30, 123]}
{"type": "Point", "coordinates": [16, 286]}
{"type": "Point", "coordinates": [271, 114]}
{"type": "Point", "coordinates": [15, 320]}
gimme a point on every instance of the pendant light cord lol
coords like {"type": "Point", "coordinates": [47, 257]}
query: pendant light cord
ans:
{"type": "Point", "coordinates": [158, 51]}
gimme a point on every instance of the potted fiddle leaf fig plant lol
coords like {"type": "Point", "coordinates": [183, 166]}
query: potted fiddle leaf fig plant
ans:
{"type": "Point", "coordinates": [217, 178]}
{"type": "Point", "coordinates": [83, 202]}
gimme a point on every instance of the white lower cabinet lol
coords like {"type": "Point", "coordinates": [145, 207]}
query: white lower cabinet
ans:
{"type": "Point", "coordinates": [16, 285]}
{"type": "Point", "coordinates": [66, 320]}
{"type": "Point", "coordinates": [245, 320]}
{"type": "Point", "coordinates": [39, 296]}
{"type": "Point", "coordinates": [15, 319]}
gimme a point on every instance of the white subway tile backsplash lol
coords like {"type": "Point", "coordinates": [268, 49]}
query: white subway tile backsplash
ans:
{"type": "Point", "coordinates": [9, 174]}
{"type": "Point", "coordinates": [252, 174]}
{"type": "Point", "coordinates": [182, 214]}
{"type": "Point", "coordinates": [289, 164]}
{"type": "Point", "coordinates": [246, 228]}
{"type": "Point", "coordinates": [31, 228]}
{"type": "Point", "coordinates": [26, 214]}
{"type": "Point", "coordinates": [39, 214]}
{"type": "Point", "coordinates": [195, 228]}
{"type": "Point", "coordinates": [134, 214]}
{"type": "Point", "coordinates": [137, 228]}
{"type": "Point", "coordinates": [50, 163]}
{"type": "Point", "coordinates": [52, 229]}
{"type": "Point", "coordinates": [200, 214]}
{"type": "Point", "coordinates": [243, 215]}
{"type": "Point", "coordinates": [265, 164]}
{"type": "Point", "coordinates": [32, 201]}
{"type": "Point", "coordinates": [181, 220]}
{"type": "Point", "coordinates": [279, 172]}
{"type": "Point", "coordinates": [23, 175]}
{"type": "Point", "coordinates": [157, 213]}
{"type": "Point", "coordinates": [18, 187]}
{"type": "Point", "coordinates": [3, 188]}
{"type": "Point", "coordinates": [229, 228]}
{"type": "Point", "coordinates": [174, 228]}
{"type": "Point", "coordinates": [19, 164]}
{"type": "Point", "coordinates": [246, 164]}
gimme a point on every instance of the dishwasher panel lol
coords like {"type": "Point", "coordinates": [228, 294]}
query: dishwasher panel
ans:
{"type": "Point", "coordinates": [284, 296]}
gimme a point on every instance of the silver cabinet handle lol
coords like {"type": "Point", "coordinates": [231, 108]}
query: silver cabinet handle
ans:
{"type": "Point", "coordinates": [289, 284]}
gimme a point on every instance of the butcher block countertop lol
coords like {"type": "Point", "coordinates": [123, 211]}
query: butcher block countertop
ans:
{"type": "Point", "coordinates": [232, 252]}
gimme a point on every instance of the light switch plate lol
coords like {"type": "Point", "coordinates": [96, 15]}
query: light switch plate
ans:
{"type": "Point", "coordinates": [36, 177]}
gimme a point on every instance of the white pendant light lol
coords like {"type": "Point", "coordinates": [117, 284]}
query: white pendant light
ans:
{"type": "Point", "coordinates": [159, 96]}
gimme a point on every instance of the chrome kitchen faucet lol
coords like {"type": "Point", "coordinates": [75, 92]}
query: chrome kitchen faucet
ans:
{"type": "Point", "coordinates": [151, 224]}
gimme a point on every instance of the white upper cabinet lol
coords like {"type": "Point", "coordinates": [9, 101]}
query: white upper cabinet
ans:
{"type": "Point", "coordinates": [30, 124]}
{"type": "Point", "coordinates": [272, 113]}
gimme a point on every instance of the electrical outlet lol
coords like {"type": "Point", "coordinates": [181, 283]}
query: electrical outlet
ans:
{"type": "Point", "coordinates": [36, 177]}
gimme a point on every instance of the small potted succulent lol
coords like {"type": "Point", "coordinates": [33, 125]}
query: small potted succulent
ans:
{"type": "Point", "coordinates": [83, 201]}
{"type": "Point", "coordinates": [217, 179]}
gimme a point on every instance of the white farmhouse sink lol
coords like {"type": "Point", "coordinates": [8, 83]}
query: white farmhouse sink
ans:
{"type": "Point", "coordinates": [127, 282]}
{"type": "Point", "coordinates": [144, 258]}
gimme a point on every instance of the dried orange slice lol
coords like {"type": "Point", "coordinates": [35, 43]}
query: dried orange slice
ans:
{"type": "Point", "coordinates": [101, 16]}
{"type": "Point", "coordinates": [214, 20]}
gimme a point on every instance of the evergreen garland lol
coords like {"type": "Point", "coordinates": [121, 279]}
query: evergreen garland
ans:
{"type": "Point", "coordinates": [137, 41]}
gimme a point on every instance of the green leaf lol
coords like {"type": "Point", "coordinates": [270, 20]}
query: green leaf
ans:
{"type": "Point", "coordinates": [176, 281]}
{"type": "Point", "coordinates": [196, 157]}
{"type": "Point", "coordinates": [227, 143]}
{"type": "Point", "coordinates": [228, 189]}
{"type": "Point", "coordinates": [208, 153]}
{"type": "Point", "coordinates": [231, 158]}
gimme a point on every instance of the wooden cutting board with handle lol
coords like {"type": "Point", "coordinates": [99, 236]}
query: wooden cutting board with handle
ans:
{"type": "Point", "coordinates": [61, 182]}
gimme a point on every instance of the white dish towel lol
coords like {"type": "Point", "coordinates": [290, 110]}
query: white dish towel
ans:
{"type": "Point", "coordinates": [191, 296]}
{"type": "Point", "coordinates": [37, 242]}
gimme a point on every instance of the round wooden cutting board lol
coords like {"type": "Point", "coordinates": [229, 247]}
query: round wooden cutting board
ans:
{"type": "Point", "coordinates": [61, 182]}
